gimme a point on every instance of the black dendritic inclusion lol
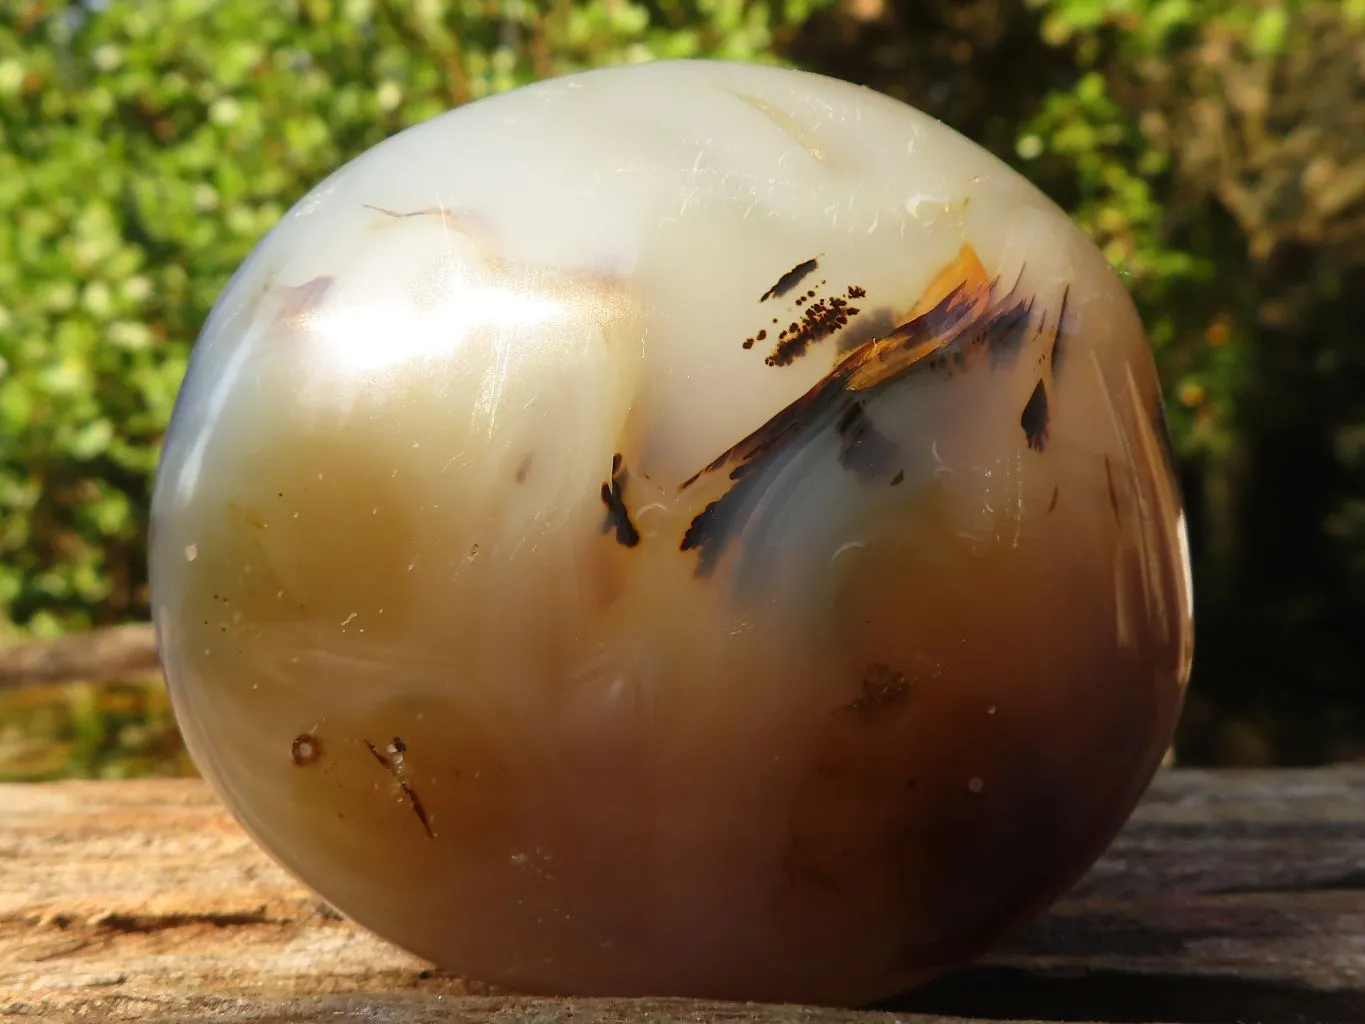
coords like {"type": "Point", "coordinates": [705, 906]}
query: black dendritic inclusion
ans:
{"type": "Point", "coordinates": [618, 516]}
{"type": "Point", "coordinates": [862, 447]}
{"type": "Point", "coordinates": [954, 336]}
{"type": "Point", "coordinates": [817, 317]}
{"type": "Point", "coordinates": [1034, 419]}
{"type": "Point", "coordinates": [820, 318]}
{"type": "Point", "coordinates": [791, 279]}
{"type": "Point", "coordinates": [1058, 349]}
{"type": "Point", "coordinates": [1006, 331]}
{"type": "Point", "coordinates": [394, 765]}
{"type": "Point", "coordinates": [705, 534]}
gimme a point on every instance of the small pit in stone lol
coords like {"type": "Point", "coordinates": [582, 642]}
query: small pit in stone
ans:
{"type": "Point", "coordinates": [306, 749]}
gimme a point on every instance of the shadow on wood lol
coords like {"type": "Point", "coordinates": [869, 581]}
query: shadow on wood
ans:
{"type": "Point", "coordinates": [1105, 996]}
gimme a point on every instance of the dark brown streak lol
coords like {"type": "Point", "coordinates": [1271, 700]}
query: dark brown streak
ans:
{"type": "Point", "coordinates": [1113, 491]}
{"type": "Point", "coordinates": [1058, 350]}
{"type": "Point", "coordinates": [400, 777]}
{"type": "Point", "coordinates": [788, 281]}
{"type": "Point", "coordinates": [1056, 493]}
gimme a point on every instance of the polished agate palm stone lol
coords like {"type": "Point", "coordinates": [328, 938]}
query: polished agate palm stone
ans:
{"type": "Point", "coordinates": [679, 529]}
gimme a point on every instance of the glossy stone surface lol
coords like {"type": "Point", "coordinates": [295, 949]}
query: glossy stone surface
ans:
{"type": "Point", "coordinates": [679, 529]}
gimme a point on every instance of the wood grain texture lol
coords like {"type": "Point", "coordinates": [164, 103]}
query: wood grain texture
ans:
{"type": "Point", "coordinates": [1231, 896]}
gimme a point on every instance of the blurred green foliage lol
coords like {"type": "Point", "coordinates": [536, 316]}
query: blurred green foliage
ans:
{"type": "Point", "coordinates": [96, 731]}
{"type": "Point", "coordinates": [1214, 149]}
{"type": "Point", "coordinates": [1217, 150]}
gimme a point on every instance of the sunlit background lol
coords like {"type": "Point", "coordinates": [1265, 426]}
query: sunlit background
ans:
{"type": "Point", "coordinates": [1215, 150]}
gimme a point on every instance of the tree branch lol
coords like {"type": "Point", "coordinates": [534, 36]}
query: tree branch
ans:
{"type": "Point", "coordinates": [101, 655]}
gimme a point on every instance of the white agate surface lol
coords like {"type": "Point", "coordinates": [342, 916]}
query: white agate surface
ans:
{"type": "Point", "coordinates": [529, 594]}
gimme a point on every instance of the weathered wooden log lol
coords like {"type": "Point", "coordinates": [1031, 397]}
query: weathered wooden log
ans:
{"type": "Point", "coordinates": [101, 655]}
{"type": "Point", "coordinates": [1230, 897]}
